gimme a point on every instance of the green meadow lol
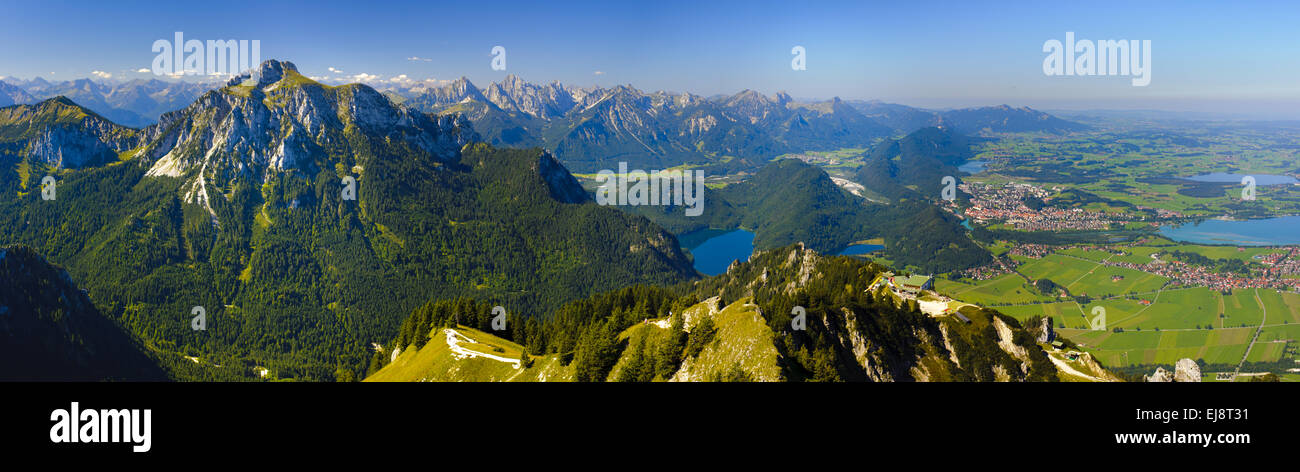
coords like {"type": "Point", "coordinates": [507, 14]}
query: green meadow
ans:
{"type": "Point", "coordinates": [1007, 288]}
{"type": "Point", "coordinates": [1174, 326]}
{"type": "Point", "coordinates": [1092, 278]}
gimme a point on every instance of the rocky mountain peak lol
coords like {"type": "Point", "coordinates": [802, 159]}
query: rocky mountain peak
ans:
{"type": "Point", "coordinates": [268, 72]}
{"type": "Point", "coordinates": [62, 134]}
{"type": "Point", "coordinates": [290, 124]}
{"type": "Point", "coordinates": [513, 83]}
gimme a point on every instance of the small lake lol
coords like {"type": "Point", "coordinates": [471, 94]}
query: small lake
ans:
{"type": "Point", "coordinates": [715, 250]}
{"type": "Point", "coordinates": [976, 166]}
{"type": "Point", "coordinates": [1278, 231]}
{"type": "Point", "coordinates": [860, 249]}
{"type": "Point", "coordinates": [1260, 179]}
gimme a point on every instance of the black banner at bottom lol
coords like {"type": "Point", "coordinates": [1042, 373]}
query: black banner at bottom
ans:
{"type": "Point", "coordinates": [137, 421]}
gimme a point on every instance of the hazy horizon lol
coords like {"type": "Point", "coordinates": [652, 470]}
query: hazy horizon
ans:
{"type": "Point", "coordinates": [1204, 57]}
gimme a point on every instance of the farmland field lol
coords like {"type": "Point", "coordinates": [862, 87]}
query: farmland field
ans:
{"type": "Point", "coordinates": [1220, 346]}
{"type": "Point", "coordinates": [1084, 277]}
{"type": "Point", "coordinates": [1008, 288]}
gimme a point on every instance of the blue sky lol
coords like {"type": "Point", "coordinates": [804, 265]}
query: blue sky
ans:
{"type": "Point", "coordinates": [1210, 56]}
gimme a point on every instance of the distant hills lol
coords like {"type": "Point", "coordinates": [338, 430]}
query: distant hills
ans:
{"type": "Point", "coordinates": [11, 94]}
{"type": "Point", "coordinates": [1005, 119]}
{"type": "Point", "coordinates": [135, 103]}
{"type": "Point", "coordinates": [1001, 118]}
{"type": "Point", "coordinates": [914, 166]}
{"type": "Point", "coordinates": [991, 119]}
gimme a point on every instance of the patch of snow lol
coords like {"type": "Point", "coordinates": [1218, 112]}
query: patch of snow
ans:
{"type": "Point", "coordinates": [453, 342]}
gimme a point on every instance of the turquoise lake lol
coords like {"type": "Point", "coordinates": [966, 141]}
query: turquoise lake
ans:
{"type": "Point", "coordinates": [714, 250]}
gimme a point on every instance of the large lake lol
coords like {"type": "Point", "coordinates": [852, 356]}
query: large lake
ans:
{"type": "Point", "coordinates": [1278, 231]}
{"type": "Point", "coordinates": [1260, 179]}
{"type": "Point", "coordinates": [714, 250]}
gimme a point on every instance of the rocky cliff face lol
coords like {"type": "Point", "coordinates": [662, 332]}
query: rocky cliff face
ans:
{"type": "Point", "coordinates": [273, 120]}
{"type": "Point", "coordinates": [874, 337]}
{"type": "Point", "coordinates": [1044, 332]}
{"type": "Point", "coordinates": [547, 101]}
{"type": "Point", "coordinates": [62, 135]}
{"type": "Point", "coordinates": [72, 147]}
{"type": "Point", "coordinates": [1187, 371]}
{"type": "Point", "coordinates": [1160, 375]}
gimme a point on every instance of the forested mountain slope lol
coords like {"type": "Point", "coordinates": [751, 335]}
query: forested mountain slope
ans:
{"type": "Point", "coordinates": [733, 327]}
{"type": "Point", "coordinates": [237, 204]}
{"type": "Point", "coordinates": [50, 330]}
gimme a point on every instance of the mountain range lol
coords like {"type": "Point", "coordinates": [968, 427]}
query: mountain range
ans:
{"type": "Point", "coordinates": [236, 204]}
{"type": "Point", "coordinates": [306, 220]}
{"type": "Point", "coordinates": [594, 128]}
{"type": "Point", "coordinates": [135, 103]}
